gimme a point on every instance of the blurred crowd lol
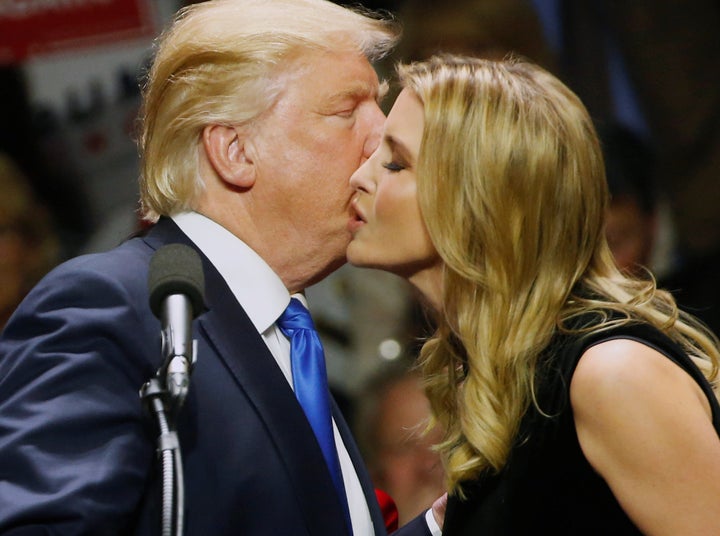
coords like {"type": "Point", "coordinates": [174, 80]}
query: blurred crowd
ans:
{"type": "Point", "coordinates": [646, 71]}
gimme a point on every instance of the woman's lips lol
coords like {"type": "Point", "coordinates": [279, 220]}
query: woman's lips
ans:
{"type": "Point", "coordinates": [357, 219]}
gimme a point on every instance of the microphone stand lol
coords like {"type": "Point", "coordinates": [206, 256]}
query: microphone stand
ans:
{"type": "Point", "coordinates": [164, 395]}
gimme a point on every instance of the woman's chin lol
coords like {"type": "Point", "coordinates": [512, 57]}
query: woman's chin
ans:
{"type": "Point", "coordinates": [358, 256]}
{"type": "Point", "coordinates": [355, 258]}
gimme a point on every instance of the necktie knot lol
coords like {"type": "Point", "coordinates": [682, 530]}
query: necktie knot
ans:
{"type": "Point", "coordinates": [295, 317]}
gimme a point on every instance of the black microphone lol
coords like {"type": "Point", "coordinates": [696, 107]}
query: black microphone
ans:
{"type": "Point", "coordinates": [177, 289]}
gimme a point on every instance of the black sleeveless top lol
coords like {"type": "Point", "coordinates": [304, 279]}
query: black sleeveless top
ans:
{"type": "Point", "coordinates": [547, 485]}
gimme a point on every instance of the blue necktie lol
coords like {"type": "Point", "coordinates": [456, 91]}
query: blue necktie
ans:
{"type": "Point", "coordinates": [311, 388]}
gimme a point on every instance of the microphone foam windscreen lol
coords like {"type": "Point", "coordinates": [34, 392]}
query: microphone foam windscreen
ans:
{"type": "Point", "coordinates": [176, 269]}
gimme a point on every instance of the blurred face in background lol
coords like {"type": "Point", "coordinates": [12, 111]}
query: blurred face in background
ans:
{"type": "Point", "coordinates": [29, 246]}
{"type": "Point", "coordinates": [12, 268]}
{"type": "Point", "coordinates": [630, 233]}
{"type": "Point", "coordinates": [405, 466]}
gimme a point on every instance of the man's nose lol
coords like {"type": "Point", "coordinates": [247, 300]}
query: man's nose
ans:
{"type": "Point", "coordinates": [376, 121]}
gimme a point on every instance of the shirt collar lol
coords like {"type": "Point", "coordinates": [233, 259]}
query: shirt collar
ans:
{"type": "Point", "coordinates": [254, 284]}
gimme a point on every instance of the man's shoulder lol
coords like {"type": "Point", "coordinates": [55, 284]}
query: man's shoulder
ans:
{"type": "Point", "coordinates": [416, 527]}
{"type": "Point", "coordinates": [127, 261]}
{"type": "Point", "coordinates": [93, 281]}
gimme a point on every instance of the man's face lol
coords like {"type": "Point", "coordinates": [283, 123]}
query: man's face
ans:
{"type": "Point", "coordinates": [325, 123]}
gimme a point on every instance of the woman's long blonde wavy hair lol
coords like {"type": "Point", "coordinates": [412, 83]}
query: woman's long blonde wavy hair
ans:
{"type": "Point", "coordinates": [511, 185]}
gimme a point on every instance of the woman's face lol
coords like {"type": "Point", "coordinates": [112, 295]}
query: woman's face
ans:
{"type": "Point", "coordinates": [388, 230]}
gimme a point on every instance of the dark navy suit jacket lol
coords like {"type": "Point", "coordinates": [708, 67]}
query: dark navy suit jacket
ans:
{"type": "Point", "coordinates": [77, 450]}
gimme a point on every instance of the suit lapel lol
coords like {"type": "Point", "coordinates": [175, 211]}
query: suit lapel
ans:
{"type": "Point", "coordinates": [363, 476]}
{"type": "Point", "coordinates": [236, 341]}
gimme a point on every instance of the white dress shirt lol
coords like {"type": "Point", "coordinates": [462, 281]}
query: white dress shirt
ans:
{"type": "Point", "coordinates": [264, 297]}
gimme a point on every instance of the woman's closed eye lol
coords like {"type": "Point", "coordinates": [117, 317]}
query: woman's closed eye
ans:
{"type": "Point", "coordinates": [394, 167]}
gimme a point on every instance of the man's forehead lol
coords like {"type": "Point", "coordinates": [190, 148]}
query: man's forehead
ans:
{"type": "Point", "coordinates": [331, 77]}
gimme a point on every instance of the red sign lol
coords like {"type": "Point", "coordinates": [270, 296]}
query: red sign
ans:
{"type": "Point", "coordinates": [29, 27]}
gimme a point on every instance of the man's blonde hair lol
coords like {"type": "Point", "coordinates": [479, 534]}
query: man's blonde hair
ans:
{"type": "Point", "coordinates": [219, 63]}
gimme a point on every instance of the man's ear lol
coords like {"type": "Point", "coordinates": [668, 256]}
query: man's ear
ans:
{"type": "Point", "coordinates": [225, 149]}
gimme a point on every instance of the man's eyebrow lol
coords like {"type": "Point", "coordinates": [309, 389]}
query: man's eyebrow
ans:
{"type": "Point", "coordinates": [360, 92]}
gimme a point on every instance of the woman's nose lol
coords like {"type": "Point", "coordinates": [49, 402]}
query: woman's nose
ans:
{"type": "Point", "coordinates": [360, 180]}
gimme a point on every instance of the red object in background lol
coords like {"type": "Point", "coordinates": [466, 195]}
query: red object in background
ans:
{"type": "Point", "coordinates": [389, 510]}
{"type": "Point", "coordinates": [29, 27]}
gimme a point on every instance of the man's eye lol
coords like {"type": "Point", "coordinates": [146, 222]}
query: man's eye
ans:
{"type": "Point", "coordinates": [393, 166]}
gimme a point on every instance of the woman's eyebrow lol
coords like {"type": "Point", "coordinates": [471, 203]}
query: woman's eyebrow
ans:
{"type": "Point", "coordinates": [399, 147]}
